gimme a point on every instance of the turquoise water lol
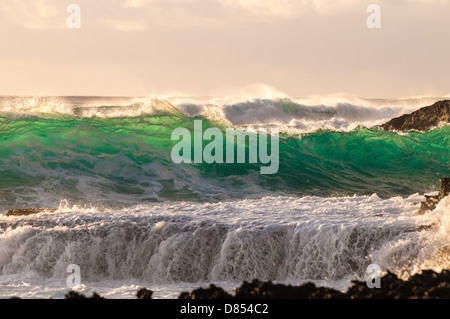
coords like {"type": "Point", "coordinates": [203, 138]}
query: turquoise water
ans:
{"type": "Point", "coordinates": [130, 217]}
{"type": "Point", "coordinates": [49, 158]}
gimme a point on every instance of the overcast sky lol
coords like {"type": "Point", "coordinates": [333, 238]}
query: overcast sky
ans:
{"type": "Point", "coordinates": [212, 47]}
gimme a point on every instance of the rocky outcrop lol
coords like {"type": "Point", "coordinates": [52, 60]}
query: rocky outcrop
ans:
{"type": "Point", "coordinates": [269, 290]}
{"type": "Point", "coordinates": [422, 119]}
{"type": "Point", "coordinates": [144, 293]}
{"type": "Point", "coordinates": [28, 211]}
{"type": "Point", "coordinates": [75, 295]}
{"type": "Point", "coordinates": [212, 292]}
{"type": "Point", "coordinates": [426, 285]}
{"type": "Point", "coordinates": [431, 202]}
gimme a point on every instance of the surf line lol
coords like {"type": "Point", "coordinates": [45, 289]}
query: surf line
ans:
{"type": "Point", "coordinates": [213, 152]}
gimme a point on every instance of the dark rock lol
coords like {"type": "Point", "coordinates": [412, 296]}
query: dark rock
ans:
{"type": "Point", "coordinates": [269, 290]}
{"type": "Point", "coordinates": [75, 295]}
{"type": "Point", "coordinates": [440, 292]}
{"type": "Point", "coordinates": [444, 190]}
{"type": "Point", "coordinates": [424, 227]}
{"type": "Point", "coordinates": [326, 293]}
{"type": "Point", "coordinates": [426, 285]}
{"type": "Point", "coordinates": [422, 119]}
{"type": "Point", "coordinates": [96, 296]}
{"type": "Point", "coordinates": [391, 287]}
{"type": "Point", "coordinates": [29, 211]}
{"type": "Point", "coordinates": [266, 290]}
{"type": "Point", "coordinates": [212, 292]}
{"type": "Point", "coordinates": [144, 293]}
{"type": "Point", "coordinates": [431, 202]}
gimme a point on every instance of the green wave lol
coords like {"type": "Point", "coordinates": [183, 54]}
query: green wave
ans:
{"type": "Point", "coordinates": [128, 160]}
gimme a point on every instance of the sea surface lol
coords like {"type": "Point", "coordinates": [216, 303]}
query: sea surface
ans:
{"type": "Point", "coordinates": [344, 197]}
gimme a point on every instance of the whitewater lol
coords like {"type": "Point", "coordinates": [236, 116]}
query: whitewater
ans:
{"type": "Point", "coordinates": [345, 195]}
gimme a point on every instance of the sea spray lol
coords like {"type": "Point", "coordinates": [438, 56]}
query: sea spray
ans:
{"type": "Point", "coordinates": [276, 238]}
{"type": "Point", "coordinates": [344, 197]}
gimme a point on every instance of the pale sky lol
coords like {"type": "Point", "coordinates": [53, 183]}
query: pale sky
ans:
{"type": "Point", "coordinates": [212, 47]}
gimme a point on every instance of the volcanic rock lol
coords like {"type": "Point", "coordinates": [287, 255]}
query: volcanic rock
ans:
{"type": "Point", "coordinates": [431, 202]}
{"type": "Point", "coordinates": [212, 292]}
{"type": "Point", "coordinates": [29, 211]}
{"type": "Point", "coordinates": [144, 294]}
{"type": "Point", "coordinates": [422, 119]}
{"type": "Point", "coordinates": [75, 295]}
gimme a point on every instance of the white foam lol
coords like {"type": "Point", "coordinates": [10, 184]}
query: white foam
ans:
{"type": "Point", "coordinates": [260, 107]}
{"type": "Point", "coordinates": [174, 244]}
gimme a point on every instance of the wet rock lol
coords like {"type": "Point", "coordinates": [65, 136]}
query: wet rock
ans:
{"type": "Point", "coordinates": [424, 227]}
{"type": "Point", "coordinates": [441, 291]}
{"type": "Point", "coordinates": [75, 295]}
{"type": "Point", "coordinates": [269, 290]}
{"type": "Point", "coordinates": [422, 119]}
{"type": "Point", "coordinates": [444, 190]}
{"type": "Point", "coordinates": [431, 202]}
{"type": "Point", "coordinates": [391, 288]}
{"type": "Point", "coordinates": [266, 290]}
{"type": "Point", "coordinates": [326, 293]}
{"type": "Point", "coordinates": [426, 285]}
{"type": "Point", "coordinates": [29, 211]}
{"type": "Point", "coordinates": [430, 284]}
{"type": "Point", "coordinates": [144, 294]}
{"type": "Point", "coordinates": [212, 292]}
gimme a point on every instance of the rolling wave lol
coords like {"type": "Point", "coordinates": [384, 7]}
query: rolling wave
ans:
{"type": "Point", "coordinates": [344, 196]}
{"type": "Point", "coordinates": [292, 116]}
{"type": "Point", "coordinates": [121, 160]}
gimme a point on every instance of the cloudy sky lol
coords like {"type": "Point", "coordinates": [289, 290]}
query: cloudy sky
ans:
{"type": "Point", "coordinates": [213, 47]}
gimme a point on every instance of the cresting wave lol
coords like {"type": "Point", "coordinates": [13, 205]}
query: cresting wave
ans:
{"type": "Point", "coordinates": [293, 116]}
{"type": "Point", "coordinates": [121, 160]}
{"type": "Point", "coordinates": [344, 196]}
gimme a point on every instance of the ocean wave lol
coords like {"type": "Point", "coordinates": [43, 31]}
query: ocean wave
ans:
{"type": "Point", "coordinates": [124, 160]}
{"type": "Point", "coordinates": [290, 115]}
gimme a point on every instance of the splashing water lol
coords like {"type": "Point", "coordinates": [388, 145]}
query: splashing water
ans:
{"type": "Point", "coordinates": [129, 216]}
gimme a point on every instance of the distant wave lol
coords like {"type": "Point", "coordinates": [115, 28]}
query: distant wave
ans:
{"type": "Point", "coordinates": [292, 116]}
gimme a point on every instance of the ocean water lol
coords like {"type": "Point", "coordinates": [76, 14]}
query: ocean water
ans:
{"type": "Point", "coordinates": [344, 197]}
